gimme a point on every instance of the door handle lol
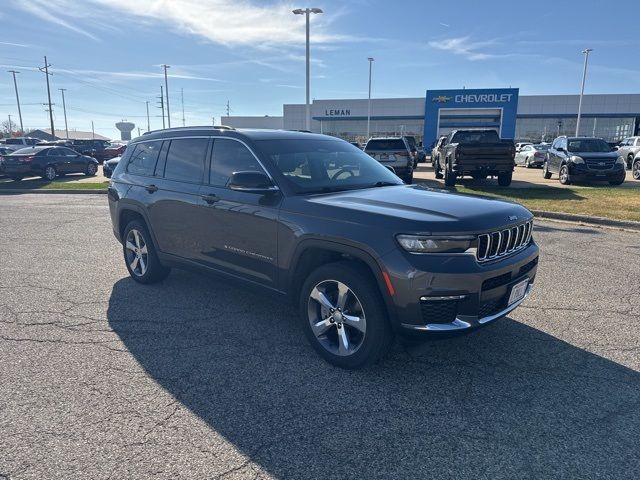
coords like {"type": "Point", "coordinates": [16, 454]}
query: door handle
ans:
{"type": "Point", "coordinates": [151, 188]}
{"type": "Point", "coordinates": [210, 199]}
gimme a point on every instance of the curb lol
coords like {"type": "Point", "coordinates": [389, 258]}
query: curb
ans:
{"type": "Point", "coordinates": [586, 219]}
{"type": "Point", "coordinates": [14, 191]}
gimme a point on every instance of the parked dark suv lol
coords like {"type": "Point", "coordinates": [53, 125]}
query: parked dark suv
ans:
{"type": "Point", "coordinates": [577, 159]}
{"type": "Point", "coordinates": [314, 218]}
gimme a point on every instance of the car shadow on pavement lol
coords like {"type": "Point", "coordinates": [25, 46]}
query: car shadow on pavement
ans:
{"type": "Point", "coordinates": [508, 401]}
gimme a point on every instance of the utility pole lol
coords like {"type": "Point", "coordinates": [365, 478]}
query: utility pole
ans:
{"type": "Point", "coordinates": [213, 121]}
{"type": "Point", "coordinates": [15, 84]}
{"type": "Point", "coordinates": [166, 88]}
{"type": "Point", "coordinates": [10, 129]}
{"type": "Point", "coordinates": [369, 104]}
{"type": "Point", "coordinates": [45, 69]}
{"type": "Point", "coordinates": [93, 132]}
{"type": "Point", "coordinates": [162, 106]}
{"type": "Point", "coordinates": [138, 131]}
{"type": "Point", "coordinates": [64, 109]}
{"type": "Point", "coordinates": [228, 109]}
{"type": "Point", "coordinates": [148, 121]}
{"type": "Point", "coordinates": [182, 100]}
{"type": "Point", "coordinates": [586, 52]}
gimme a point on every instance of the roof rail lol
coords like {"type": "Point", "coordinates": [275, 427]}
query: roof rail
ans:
{"type": "Point", "coordinates": [193, 127]}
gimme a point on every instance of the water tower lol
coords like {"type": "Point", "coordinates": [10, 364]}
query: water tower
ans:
{"type": "Point", "coordinates": [125, 129]}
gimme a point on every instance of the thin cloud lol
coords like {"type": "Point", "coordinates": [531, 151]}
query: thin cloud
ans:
{"type": "Point", "coordinates": [445, 24]}
{"type": "Point", "coordinates": [11, 44]}
{"type": "Point", "coordinates": [51, 12]}
{"type": "Point", "coordinates": [133, 75]}
{"type": "Point", "coordinates": [464, 46]}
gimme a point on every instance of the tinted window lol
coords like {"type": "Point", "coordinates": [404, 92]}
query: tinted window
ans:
{"type": "Point", "coordinates": [143, 158]}
{"type": "Point", "coordinates": [490, 136]}
{"type": "Point", "coordinates": [228, 157]}
{"type": "Point", "coordinates": [392, 144]}
{"type": "Point", "coordinates": [185, 159]}
{"type": "Point", "coordinates": [14, 141]}
{"type": "Point", "coordinates": [588, 145]}
{"type": "Point", "coordinates": [324, 165]}
{"type": "Point", "coordinates": [67, 152]}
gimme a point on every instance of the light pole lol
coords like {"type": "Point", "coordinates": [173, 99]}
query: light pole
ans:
{"type": "Point", "coordinates": [64, 109]}
{"type": "Point", "coordinates": [166, 92]}
{"type": "Point", "coordinates": [307, 11]}
{"type": "Point", "coordinates": [15, 84]}
{"type": "Point", "coordinates": [586, 52]}
{"type": "Point", "coordinates": [369, 106]}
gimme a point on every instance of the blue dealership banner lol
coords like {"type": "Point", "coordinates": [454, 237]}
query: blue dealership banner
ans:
{"type": "Point", "coordinates": [505, 99]}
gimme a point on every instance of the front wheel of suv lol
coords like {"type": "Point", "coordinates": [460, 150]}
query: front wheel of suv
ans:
{"type": "Point", "coordinates": [140, 254]}
{"type": "Point", "coordinates": [344, 316]}
{"type": "Point", "coordinates": [449, 176]}
{"type": "Point", "coordinates": [564, 175]}
{"type": "Point", "coordinates": [636, 169]}
{"type": "Point", "coordinates": [437, 169]}
{"type": "Point", "coordinates": [545, 171]}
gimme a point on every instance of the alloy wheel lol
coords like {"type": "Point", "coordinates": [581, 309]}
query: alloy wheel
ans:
{"type": "Point", "coordinates": [636, 170]}
{"type": "Point", "coordinates": [91, 169]}
{"type": "Point", "coordinates": [137, 252]}
{"type": "Point", "coordinates": [564, 174]}
{"type": "Point", "coordinates": [336, 317]}
{"type": "Point", "coordinates": [50, 173]}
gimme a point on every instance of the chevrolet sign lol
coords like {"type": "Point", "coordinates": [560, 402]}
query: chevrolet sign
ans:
{"type": "Point", "coordinates": [483, 98]}
{"type": "Point", "coordinates": [441, 99]}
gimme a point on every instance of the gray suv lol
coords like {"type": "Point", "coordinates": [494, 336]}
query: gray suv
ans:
{"type": "Point", "coordinates": [315, 219]}
{"type": "Point", "coordinates": [394, 152]}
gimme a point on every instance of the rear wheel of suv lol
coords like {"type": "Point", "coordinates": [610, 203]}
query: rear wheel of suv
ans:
{"type": "Point", "coordinates": [504, 178]}
{"type": "Point", "coordinates": [545, 171]}
{"type": "Point", "coordinates": [630, 161]}
{"type": "Point", "coordinates": [344, 316]}
{"type": "Point", "coordinates": [636, 169]}
{"type": "Point", "coordinates": [437, 169]}
{"type": "Point", "coordinates": [449, 176]}
{"type": "Point", "coordinates": [140, 254]}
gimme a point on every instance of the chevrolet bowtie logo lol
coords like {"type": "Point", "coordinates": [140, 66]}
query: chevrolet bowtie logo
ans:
{"type": "Point", "coordinates": [441, 99]}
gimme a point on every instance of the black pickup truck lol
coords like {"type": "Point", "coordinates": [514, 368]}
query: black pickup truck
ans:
{"type": "Point", "coordinates": [478, 153]}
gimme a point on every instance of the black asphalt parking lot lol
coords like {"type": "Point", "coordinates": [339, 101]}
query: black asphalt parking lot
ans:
{"type": "Point", "coordinates": [199, 378]}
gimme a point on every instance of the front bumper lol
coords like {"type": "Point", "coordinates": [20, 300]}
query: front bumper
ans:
{"type": "Point", "coordinates": [580, 172]}
{"type": "Point", "coordinates": [453, 294]}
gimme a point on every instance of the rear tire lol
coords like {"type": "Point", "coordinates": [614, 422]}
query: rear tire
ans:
{"type": "Point", "coordinates": [527, 163]}
{"type": "Point", "coordinates": [91, 170]}
{"type": "Point", "coordinates": [504, 178]}
{"type": "Point", "coordinates": [437, 170]}
{"type": "Point", "coordinates": [564, 175]}
{"type": "Point", "coordinates": [50, 173]}
{"type": "Point", "coordinates": [368, 338]}
{"type": "Point", "coordinates": [140, 254]}
{"type": "Point", "coordinates": [449, 176]}
{"type": "Point", "coordinates": [629, 161]}
{"type": "Point", "coordinates": [545, 171]}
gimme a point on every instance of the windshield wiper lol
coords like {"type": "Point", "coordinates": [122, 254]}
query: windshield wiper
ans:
{"type": "Point", "coordinates": [385, 184]}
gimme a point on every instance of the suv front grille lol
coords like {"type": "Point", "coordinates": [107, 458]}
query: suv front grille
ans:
{"type": "Point", "coordinates": [600, 164]}
{"type": "Point", "coordinates": [503, 242]}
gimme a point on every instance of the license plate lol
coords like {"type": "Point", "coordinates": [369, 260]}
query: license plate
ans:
{"type": "Point", "coordinates": [518, 291]}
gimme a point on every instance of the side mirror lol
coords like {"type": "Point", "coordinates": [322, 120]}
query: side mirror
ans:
{"type": "Point", "coordinates": [560, 149]}
{"type": "Point", "coordinates": [251, 182]}
{"type": "Point", "coordinates": [615, 148]}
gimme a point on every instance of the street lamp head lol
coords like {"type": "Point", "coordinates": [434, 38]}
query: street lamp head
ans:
{"type": "Point", "coordinates": [370, 59]}
{"type": "Point", "coordinates": [587, 50]}
{"type": "Point", "coordinates": [316, 10]}
{"type": "Point", "coordinates": [298, 11]}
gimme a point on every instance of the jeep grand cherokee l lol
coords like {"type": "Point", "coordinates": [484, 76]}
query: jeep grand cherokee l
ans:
{"type": "Point", "coordinates": [316, 219]}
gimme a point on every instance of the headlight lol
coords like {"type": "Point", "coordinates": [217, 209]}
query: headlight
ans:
{"type": "Point", "coordinates": [576, 159]}
{"type": "Point", "coordinates": [428, 244]}
{"type": "Point", "coordinates": [621, 161]}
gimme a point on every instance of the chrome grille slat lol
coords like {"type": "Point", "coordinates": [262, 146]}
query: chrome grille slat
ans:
{"type": "Point", "coordinates": [500, 243]}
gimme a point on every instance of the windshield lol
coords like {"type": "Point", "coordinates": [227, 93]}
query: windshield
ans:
{"type": "Point", "coordinates": [490, 136]}
{"type": "Point", "coordinates": [593, 145]}
{"type": "Point", "coordinates": [312, 165]}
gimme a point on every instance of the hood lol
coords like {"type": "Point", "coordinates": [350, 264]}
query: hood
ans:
{"type": "Point", "coordinates": [596, 155]}
{"type": "Point", "coordinates": [418, 209]}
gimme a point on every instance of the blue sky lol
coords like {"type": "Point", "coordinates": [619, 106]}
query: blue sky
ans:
{"type": "Point", "coordinates": [107, 53]}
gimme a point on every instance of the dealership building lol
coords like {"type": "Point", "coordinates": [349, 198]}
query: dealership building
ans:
{"type": "Point", "coordinates": [521, 117]}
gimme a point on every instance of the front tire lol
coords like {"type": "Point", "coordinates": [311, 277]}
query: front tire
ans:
{"type": "Point", "coordinates": [344, 317]}
{"type": "Point", "coordinates": [140, 254]}
{"type": "Point", "coordinates": [636, 169]}
{"type": "Point", "coordinates": [527, 162]}
{"type": "Point", "coordinates": [564, 175]}
{"type": "Point", "coordinates": [437, 170]}
{"type": "Point", "coordinates": [629, 161]}
{"type": "Point", "coordinates": [546, 174]}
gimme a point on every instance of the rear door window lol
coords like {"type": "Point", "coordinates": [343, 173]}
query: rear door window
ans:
{"type": "Point", "coordinates": [186, 159]}
{"type": "Point", "coordinates": [143, 158]}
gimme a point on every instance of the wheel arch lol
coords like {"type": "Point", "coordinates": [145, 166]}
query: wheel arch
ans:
{"type": "Point", "coordinates": [312, 253]}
